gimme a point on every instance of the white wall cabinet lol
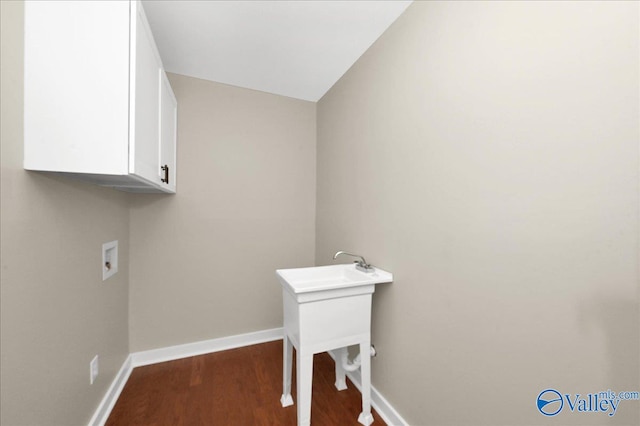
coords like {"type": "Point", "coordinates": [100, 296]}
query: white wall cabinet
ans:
{"type": "Point", "coordinates": [98, 104]}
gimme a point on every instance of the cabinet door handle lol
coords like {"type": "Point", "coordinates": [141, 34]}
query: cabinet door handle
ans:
{"type": "Point", "coordinates": [165, 169]}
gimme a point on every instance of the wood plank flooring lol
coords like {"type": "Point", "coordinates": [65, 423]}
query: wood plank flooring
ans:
{"type": "Point", "coordinates": [236, 387]}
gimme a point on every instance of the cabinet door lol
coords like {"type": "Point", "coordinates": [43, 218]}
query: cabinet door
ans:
{"type": "Point", "coordinates": [76, 86]}
{"type": "Point", "coordinates": [144, 124]}
{"type": "Point", "coordinates": [168, 126]}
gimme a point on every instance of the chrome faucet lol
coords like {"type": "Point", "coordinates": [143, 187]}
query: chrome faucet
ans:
{"type": "Point", "coordinates": [361, 264]}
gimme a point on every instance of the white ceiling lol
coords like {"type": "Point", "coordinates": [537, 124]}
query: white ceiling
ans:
{"type": "Point", "coordinates": [292, 48]}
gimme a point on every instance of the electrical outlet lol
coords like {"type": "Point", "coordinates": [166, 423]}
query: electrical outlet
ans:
{"type": "Point", "coordinates": [109, 259]}
{"type": "Point", "coordinates": [93, 369]}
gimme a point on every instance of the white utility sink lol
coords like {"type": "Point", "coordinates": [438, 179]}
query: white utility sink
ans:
{"type": "Point", "coordinates": [314, 283]}
{"type": "Point", "coordinates": [327, 308]}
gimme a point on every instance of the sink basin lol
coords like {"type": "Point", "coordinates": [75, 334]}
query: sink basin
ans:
{"type": "Point", "coordinates": [332, 278]}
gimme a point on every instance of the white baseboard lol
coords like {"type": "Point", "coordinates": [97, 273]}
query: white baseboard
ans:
{"type": "Point", "coordinates": [109, 400]}
{"type": "Point", "coordinates": [379, 402]}
{"type": "Point", "coordinates": [171, 353]}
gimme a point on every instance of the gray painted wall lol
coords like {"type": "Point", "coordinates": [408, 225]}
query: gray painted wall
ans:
{"type": "Point", "coordinates": [486, 153]}
{"type": "Point", "coordinates": [56, 313]}
{"type": "Point", "coordinates": [203, 261]}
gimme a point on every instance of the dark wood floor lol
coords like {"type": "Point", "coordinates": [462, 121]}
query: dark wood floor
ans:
{"type": "Point", "coordinates": [237, 387]}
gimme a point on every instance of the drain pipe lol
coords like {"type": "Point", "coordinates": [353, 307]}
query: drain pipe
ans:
{"type": "Point", "coordinates": [353, 366]}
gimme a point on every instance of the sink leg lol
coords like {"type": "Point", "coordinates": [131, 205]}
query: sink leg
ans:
{"type": "Point", "coordinates": [304, 377]}
{"type": "Point", "coordinates": [287, 355]}
{"type": "Point", "coordinates": [365, 417]}
{"type": "Point", "coordinates": [341, 383]}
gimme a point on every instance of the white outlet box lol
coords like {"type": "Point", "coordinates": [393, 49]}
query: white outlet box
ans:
{"type": "Point", "coordinates": [93, 369]}
{"type": "Point", "coordinates": [109, 259]}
